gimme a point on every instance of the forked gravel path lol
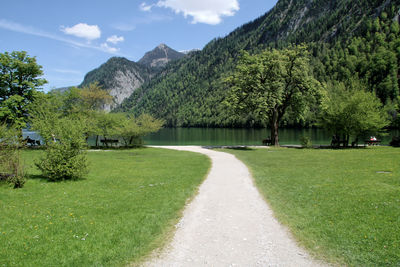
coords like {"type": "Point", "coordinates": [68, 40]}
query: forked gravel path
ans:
{"type": "Point", "coordinates": [229, 224]}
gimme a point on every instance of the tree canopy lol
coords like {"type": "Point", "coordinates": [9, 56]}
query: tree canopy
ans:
{"type": "Point", "coordinates": [354, 113]}
{"type": "Point", "coordinates": [19, 80]}
{"type": "Point", "coordinates": [271, 83]}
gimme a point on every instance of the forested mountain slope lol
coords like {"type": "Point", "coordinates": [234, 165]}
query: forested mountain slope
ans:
{"type": "Point", "coordinates": [190, 92]}
{"type": "Point", "coordinates": [121, 77]}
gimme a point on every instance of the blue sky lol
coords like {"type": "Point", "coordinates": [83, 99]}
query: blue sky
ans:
{"type": "Point", "coordinates": [70, 38]}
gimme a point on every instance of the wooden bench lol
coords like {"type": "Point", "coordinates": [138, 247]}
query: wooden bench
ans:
{"type": "Point", "coordinates": [32, 142]}
{"type": "Point", "coordinates": [267, 142]}
{"type": "Point", "coordinates": [337, 143]}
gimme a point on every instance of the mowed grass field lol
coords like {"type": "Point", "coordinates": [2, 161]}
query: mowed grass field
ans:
{"type": "Point", "coordinates": [342, 205]}
{"type": "Point", "coordinates": [125, 207]}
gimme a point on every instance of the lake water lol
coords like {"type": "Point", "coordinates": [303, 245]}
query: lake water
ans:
{"type": "Point", "coordinates": [228, 137]}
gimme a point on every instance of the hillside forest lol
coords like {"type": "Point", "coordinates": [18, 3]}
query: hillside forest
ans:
{"type": "Point", "coordinates": [361, 52]}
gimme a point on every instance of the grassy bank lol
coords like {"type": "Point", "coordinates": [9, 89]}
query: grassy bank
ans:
{"type": "Point", "coordinates": [124, 208]}
{"type": "Point", "coordinates": [343, 205]}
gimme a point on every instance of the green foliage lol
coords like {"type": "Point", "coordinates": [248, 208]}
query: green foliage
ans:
{"type": "Point", "coordinates": [11, 168]}
{"type": "Point", "coordinates": [371, 58]}
{"type": "Point", "coordinates": [272, 82]}
{"type": "Point", "coordinates": [133, 129]}
{"type": "Point", "coordinates": [65, 157]}
{"type": "Point", "coordinates": [94, 97]}
{"type": "Point", "coordinates": [18, 82]}
{"type": "Point", "coordinates": [108, 124]}
{"type": "Point", "coordinates": [45, 115]}
{"type": "Point", "coordinates": [12, 111]}
{"type": "Point", "coordinates": [189, 92]}
{"type": "Point", "coordinates": [49, 109]}
{"type": "Point", "coordinates": [306, 142]}
{"type": "Point", "coordinates": [63, 135]}
{"type": "Point", "coordinates": [352, 113]}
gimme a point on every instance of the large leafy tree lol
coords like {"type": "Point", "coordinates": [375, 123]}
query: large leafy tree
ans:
{"type": "Point", "coordinates": [271, 83]}
{"type": "Point", "coordinates": [132, 129]}
{"type": "Point", "coordinates": [354, 113]}
{"type": "Point", "coordinates": [19, 80]}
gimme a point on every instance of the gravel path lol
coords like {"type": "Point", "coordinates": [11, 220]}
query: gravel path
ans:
{"type": "Point", "coordinates": [229, 224]}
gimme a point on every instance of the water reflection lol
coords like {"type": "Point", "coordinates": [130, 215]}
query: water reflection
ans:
{"type": "Point", "coordinates": [229, 137]}
{"type": "Point", "coordinates": [219, 137]}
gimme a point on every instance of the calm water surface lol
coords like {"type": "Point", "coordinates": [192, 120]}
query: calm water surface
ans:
{"type": "Point", "coordinates": [230, 137]}
{"type": "Point", "coordinates": [221, 137]}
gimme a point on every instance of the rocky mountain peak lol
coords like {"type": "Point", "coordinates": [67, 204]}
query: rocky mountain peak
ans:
{"type": "Point", "coordinates": [160, 56]}
{"type": "Point", "coordinates": [162, 46]}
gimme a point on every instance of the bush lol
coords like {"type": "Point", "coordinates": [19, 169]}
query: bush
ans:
{"type": "Point", "coordinates": [18, 178]}
{"type": "Point", "coordinates": [65, 156]}
{"type": "Point", "coordinates": [11, 168]}
{"type": "Point", "coordinates": [305, 142]}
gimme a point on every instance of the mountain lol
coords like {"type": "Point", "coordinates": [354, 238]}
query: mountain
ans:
{"type": "Point", "coordinates": [120, 77]}
{"type": "Point", "coordinates": [61, 90]}
{"type": "Point", "coordinates": [160, 56]}
{"type": "Point", "coordinates": [190, 92]}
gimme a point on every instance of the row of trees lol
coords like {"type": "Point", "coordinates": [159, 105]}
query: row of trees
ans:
{"type": "Point", "coordinates": [65, 121]}
{"type": "Point", "coordinates": [278, 83]}
{"type": "Point", "coordinates": [84, 106]}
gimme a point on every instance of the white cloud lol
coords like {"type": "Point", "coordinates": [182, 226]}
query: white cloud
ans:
{"type": "Point", "coordinates": [112, 50]}
{"type": "Point", "coordinates": [145, 7]}
{"type": "Point", "coordinates": [16, 27]}
{"type": "Point", "coordinates": [115, 39]}
{"type": "Point", "coordinates": [83, 30]}
{"type": "Point", "coordinates": [202, 11]}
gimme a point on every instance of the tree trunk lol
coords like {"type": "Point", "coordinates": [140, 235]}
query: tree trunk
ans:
{"type": "Point", "coordinates": [105, 141]}
{"type": "Point", "coordinates": [274, 128]}
{"type": "Point", "coordinates": [97, 141]}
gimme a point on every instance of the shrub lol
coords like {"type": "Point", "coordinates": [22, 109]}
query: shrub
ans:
{"type": "Point", "coordinates": [65, 155]}
{"type": "Point", "coordinates": [305, 142]}
{"type": "Point", "coordinates": [18, 178]}
{"type": "Point", "coordinates": [11, 168]}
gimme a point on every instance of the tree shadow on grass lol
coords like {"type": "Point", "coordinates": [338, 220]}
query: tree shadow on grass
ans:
{"type": "Point", "coordinates": [241, 148]}
{"type": "Point", "coordinates": [46, 180]}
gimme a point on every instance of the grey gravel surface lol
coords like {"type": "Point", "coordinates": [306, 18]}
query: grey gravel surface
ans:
{"type": "Point", "coordinates": [229, 224]}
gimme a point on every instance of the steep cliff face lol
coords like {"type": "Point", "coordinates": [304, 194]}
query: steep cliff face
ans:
{"type": "Point", "coordinates": [160, 56]}
{"type": "Point", "coordinates": [120, 77]}
{"type": "Point", "coordinates": [125, 83]}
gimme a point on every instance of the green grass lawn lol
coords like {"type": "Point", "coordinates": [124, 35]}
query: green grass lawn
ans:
{"type": "Point", "coordinates": [125, 207]}
{"type": "Point", "coordinates": [342, 205]}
